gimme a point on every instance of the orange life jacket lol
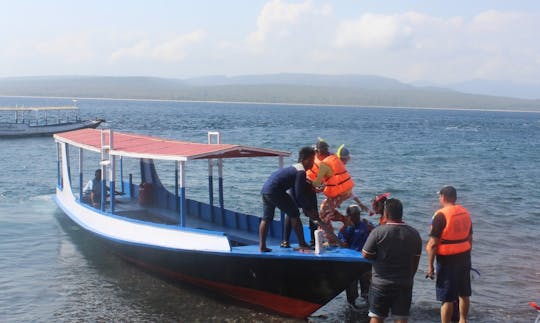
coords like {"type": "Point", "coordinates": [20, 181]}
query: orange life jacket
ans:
{"type": "Point", "coordinates": [314, 171]}
{"type": "Point", "coordinates": [340, 181]}
{"type": "Point", "coordinates": [455, 236]}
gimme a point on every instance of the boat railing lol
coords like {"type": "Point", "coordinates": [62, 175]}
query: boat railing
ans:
{"type": "Point", "coordinates": [204, 212]}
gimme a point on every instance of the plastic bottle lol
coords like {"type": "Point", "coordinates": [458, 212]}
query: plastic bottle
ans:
{"type": "Point", "coordinates": [319, 240]}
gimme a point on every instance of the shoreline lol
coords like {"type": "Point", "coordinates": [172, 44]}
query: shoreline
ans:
{"type": "Point", "coordinates": [270, 103]}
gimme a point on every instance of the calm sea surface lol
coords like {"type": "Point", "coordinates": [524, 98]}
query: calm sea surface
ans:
{"type": "Point", "coordinates": [50, 271]}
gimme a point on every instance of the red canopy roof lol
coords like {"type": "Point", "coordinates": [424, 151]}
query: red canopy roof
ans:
{"type": "Point", "coordinates": [141, 146]}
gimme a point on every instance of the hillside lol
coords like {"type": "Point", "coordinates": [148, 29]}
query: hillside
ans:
{"type": "Point", "coordinates": [357, 90]}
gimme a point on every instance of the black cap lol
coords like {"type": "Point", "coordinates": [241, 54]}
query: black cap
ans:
{"type": "Point", "coordinates": [449, 193]}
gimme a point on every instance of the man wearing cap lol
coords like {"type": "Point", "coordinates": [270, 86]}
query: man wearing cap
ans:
{"type": "Point", "coordinates": [450, 240]}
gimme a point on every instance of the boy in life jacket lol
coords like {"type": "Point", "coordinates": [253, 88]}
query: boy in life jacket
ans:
{"type": "Point", "coordinates": [338, 184]}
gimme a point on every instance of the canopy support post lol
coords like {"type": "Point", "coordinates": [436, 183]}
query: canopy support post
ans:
{"type": "Point", "coordinates": [177, 203]}
{"type": "Point", "coordinates": [211, 188]}
{"type": "Point", "coordinates": [80, 174]}
{"type": "Point", "coordinates": [281, 213]}
{"type": "Point", "coordinates": [112, 171]}
{"type": "Point", "coordinates": [182, 173]}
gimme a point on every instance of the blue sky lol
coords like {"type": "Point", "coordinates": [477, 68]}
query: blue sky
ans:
{"type": "Point", "coordinates": [434, 41]}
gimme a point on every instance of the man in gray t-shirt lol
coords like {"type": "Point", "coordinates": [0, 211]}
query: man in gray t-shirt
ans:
{"type": "Point", "coordinates": [395, 249]}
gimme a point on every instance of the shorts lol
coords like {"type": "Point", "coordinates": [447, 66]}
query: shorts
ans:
{"type": "Point", "coordinates": [396, 298]}
{"type": "Point", "coordinates": [283, 202]}
{"type": "Point", "coordinates": [453, 280]}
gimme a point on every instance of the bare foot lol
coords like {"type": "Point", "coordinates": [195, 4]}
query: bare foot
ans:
{"type": "Point", "coordinates": [265, 249]}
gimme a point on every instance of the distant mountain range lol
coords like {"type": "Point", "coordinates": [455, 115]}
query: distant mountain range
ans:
{"type": "Point", "coordinates": [356, 90]}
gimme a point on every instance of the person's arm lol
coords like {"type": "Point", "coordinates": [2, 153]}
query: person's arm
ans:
{"type": "Point", "coordinates": [344, 235]}
{"type": "Point", "coordinates": [437, 226]}
{"type": "Point", "coordinates": [416, 259]}
{"type": "Point", "coordinates": [369, 251]}
{"type": "Point", "coordinates": [324, 171]}
{"type": "Point", "coordinates": [431, 249]}
{"type": "Point", "coordinates": [360, 204]}
{"type": "Point", "coordinates": [300, 190]}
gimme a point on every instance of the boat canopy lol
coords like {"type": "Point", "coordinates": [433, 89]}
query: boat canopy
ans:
{"type": "Point", "coordinates": [141, 146]}
{"type": "Point", "coordinates": [38, 108]}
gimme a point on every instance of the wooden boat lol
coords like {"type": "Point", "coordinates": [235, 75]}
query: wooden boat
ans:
{"type": "Point", "coordinates": [42, 121]}
{"type": "Point", "coordinates": [191, 241]}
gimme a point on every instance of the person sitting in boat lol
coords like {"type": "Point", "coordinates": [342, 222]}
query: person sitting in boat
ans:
{"type": "Point", "coordinates": [338, 184]}
{"type": "Point", "coordinates": [92, 190]}
{"type": "Point", "coordinates": [274, 194]}
{"type": "Point", "coordinates": [353, 234]}
{"type": "Point", "coordinates": [377, 207]}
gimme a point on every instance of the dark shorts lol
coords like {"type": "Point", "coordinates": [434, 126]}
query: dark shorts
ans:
{"type": "Point", "coordinates": [395, 298]}
{"type": "Point", "coordinates": [453, 280]}
{"type": "Point", "coordinates": [282, 201]}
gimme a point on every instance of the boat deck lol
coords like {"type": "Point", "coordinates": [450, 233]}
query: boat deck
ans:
{"type": "Point", "coordinates": [130, 208]}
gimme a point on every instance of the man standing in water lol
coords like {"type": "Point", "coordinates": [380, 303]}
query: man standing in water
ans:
{"type": "Point", "coordinates": [395, 249]}
{"type": "Point", "coordinates": [451, 241]}
{"type": "Point", "coordinates": [274, 194]}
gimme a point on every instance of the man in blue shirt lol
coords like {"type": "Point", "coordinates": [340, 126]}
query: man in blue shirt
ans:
{"type": "Point", "coordinates": [274, 194]}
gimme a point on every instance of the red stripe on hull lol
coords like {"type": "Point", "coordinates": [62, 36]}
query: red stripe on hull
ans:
{"type": "Point", "coordinates": [280, 304]}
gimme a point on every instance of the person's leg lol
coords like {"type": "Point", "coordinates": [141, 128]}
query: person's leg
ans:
{"type": "Point", "coordinates": [446, 289]}
{"type": "Point", "coordinates": [286, 232]}
{"type": "Point", "coordinates": [297, 226]}
{"type": "Point", "coordinates": [401, 303]}
{"type": "Point", "coordinates": [312, 228]}
{"type": "Point", "coordinates": [447, 308]}
{"type": "Point", "coordinates": [269, 207]}
{"type": "Point", "coordinates": [286, 204]}
{"type": "Point", "coordinates": [263, 232]}
{"type": "Point", "coordinates": [365, 281]}
{"type": "Point", "coordinates": [352, 292]}
{"type": "Point", "coordinates": [464, 290]}
{"type": "Point", "coordinates": [379, 303]}
{"type": "Point", "coordinates": [464, 303]}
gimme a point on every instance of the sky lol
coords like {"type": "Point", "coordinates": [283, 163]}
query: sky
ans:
{"type": "Point", "coordinates": [415, 40]}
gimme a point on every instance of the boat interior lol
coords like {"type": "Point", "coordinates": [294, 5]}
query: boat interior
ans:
{"type": "Point", "coordinates": [150, 201]}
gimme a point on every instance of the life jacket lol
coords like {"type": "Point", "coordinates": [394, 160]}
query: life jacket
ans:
{"type": "Point", "coordinates": [340, 181]}
{"type": "Point", "coordinates": [314, 170]}
{"type": "Point", "coordinates": [455, 236]}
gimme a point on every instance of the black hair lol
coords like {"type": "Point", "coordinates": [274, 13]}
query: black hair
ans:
{"type": "Point", "coordinates": [353, 209]}
{"type": "Point", "coordinates": [449, 193]}
{"type": "Point", "coordinates": [305, 153]}
{"type": "Point", "coordinates": [393, 209]}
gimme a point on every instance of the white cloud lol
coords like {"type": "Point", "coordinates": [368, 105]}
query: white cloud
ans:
{"type": "Point", "coordinates": [173, 49]}
{"type": "Point", "coordinates": [71, 48]}
{"type": "Point", "coordinates": [282, 20]}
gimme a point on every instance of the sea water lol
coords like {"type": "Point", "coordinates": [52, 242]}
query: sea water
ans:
{"type": "Point", "coordinates": [52, 272]}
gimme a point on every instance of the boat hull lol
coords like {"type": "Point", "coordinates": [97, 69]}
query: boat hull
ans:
{"type": "Point", "coordinates": [286, 286]}
{"type": "Point", "coordinates": [17, 130]}
{"type": "Point", "coordinates": [293, 286]}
